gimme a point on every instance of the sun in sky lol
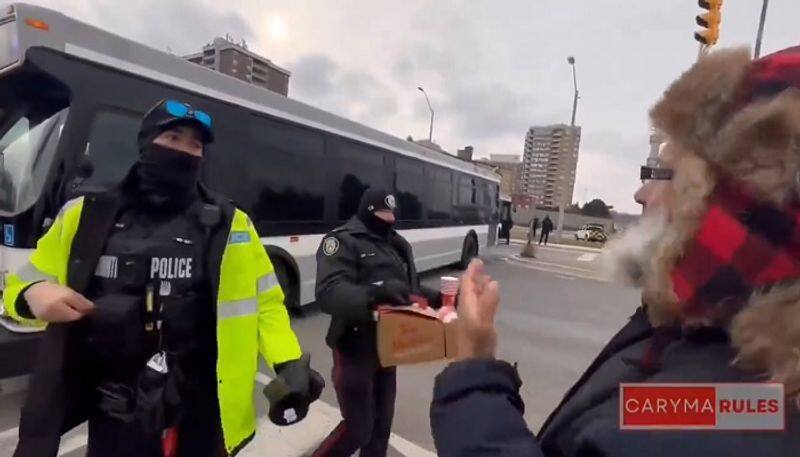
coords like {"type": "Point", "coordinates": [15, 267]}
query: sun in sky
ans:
{"type": "Point", "coordinates": [277, 28]}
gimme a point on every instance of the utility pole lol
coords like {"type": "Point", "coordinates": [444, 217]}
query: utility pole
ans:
{"type": "Point", "coordinates": [563, 203]}
{"type": "Point", "coordinates": [430, 131]}
{"type": "Point", "coordinates": [761, 28]}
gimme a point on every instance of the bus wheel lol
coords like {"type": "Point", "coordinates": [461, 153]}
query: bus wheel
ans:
{"type": "Point", "coordinates": [290, 285]}
{"type": "Point", "coordinates": [469, 251]}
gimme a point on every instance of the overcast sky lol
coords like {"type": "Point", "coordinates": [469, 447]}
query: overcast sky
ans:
{"type": "Point", "coordinates": [492, 68]}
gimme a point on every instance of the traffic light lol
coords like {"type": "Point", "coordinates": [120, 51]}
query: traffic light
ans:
{"type": "Point", "coordinates": [710, 21]}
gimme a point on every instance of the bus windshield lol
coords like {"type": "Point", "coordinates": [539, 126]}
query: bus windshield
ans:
{"type": "Point", "coordinates": [25, 155]}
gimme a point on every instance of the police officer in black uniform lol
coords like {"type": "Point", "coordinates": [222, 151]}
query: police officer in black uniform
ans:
{"type": "Point", "coordinates": [360, 265]}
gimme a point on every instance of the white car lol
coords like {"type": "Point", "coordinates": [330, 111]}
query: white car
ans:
{"type": "Point", "coordinates": [592, 232]}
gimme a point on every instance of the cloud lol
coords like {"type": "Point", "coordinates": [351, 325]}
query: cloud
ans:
{"type": "Point", "coordinates": [319, 81]}
{"type": "Point", "coordinates": [312, 76]}
{"type": "Point", "coordinates": [489, 111]}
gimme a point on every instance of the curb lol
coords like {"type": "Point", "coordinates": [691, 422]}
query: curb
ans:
{"type": "Point", "coordinates": [561, 246]}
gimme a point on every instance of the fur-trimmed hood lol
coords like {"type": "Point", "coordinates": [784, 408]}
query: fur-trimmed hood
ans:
{"type": "Point", "coordinates": [715, 127]}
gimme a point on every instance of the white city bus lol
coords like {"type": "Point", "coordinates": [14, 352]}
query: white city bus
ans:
{"type": "Point", "coordinates": [71, 96]}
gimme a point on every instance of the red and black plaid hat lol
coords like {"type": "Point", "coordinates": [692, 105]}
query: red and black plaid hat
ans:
{"type": "Point", "coordinates": [743, 244]}
{"type": "Point", "coordinates": [771, 75]}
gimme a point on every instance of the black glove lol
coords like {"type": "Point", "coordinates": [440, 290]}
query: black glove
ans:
{"type": "Point", "coordinates": [433, 296]}
{"type": "Point", "coordinates": [294, 388]}
{"type": "Point", "coordinates": [391, 292]}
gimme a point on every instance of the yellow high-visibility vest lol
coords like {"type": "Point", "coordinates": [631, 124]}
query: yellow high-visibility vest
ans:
{"type": "Point", "coordinates": [251, 316]}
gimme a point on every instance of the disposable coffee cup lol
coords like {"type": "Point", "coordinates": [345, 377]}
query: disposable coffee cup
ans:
{"type": "Point", "coordinates": [449, 290]}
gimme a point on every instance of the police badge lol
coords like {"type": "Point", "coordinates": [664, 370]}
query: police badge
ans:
{"type": "Point", "coordinates": [330, 246]}
{"type": "Point", "coordinates": [390, 202]}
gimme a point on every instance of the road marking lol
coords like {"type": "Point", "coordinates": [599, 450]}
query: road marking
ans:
{"type": "Point", "coordinates": [10, 433]}
{"type": "Point", "coordinates": [408, 448]}
{"type": "Point", "coordinates": [566, 267]}
{"type": "Point", "coordinates": [73, 443]}
{"type": "Point", "coordinates": [556, 265]}
{"type": "Point", "coordinates": [532, 266]}
{"type": "Point", "coordinates": [587, 257]}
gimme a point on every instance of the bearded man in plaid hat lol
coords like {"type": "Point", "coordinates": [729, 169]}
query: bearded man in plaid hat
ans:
{"type": "Point", "coordinates": [718, 258]}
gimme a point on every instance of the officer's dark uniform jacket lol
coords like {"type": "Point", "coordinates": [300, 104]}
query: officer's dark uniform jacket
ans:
{"type": "Point", "coordinates": [163, 251]}
{"type": "Point", "coordinates": [477, 409]}
{"type": "Point", "coordinates": [350, 258]}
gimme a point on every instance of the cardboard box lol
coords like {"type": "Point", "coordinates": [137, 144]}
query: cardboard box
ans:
{"type": "Point", "coordinates": [408, 335]}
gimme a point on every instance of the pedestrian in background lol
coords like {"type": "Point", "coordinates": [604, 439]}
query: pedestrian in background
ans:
{"type": "Point", "coordinates": [547, 227]}
{"type": "Point", "coordinates": [534, 226]}
{"type": "Point", "coordinates": [505, 228]}
{"type": "Point", "coordinates": [717, 259]}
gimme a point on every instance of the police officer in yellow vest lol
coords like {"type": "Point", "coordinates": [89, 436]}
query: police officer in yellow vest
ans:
{"type": "Point", "coordinates": [158, 297]}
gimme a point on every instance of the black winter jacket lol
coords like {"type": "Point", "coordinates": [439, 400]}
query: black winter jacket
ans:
{"type": "Point", "coordinates": [477, 410]}
{"type": "Point", "coordinates": [350, 260]}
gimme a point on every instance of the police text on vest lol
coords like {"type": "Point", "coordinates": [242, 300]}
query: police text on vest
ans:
{"type": "Point", "coordinates": [171, 268]}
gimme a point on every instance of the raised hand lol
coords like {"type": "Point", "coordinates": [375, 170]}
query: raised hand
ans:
{"type": "Point", "coordinates": [479, 299]}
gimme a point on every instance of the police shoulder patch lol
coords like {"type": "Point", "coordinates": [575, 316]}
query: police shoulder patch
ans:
{"type": "Point", "coordinates": [239, 237]}
{"type": "Point", "coordinates": [330, 246]}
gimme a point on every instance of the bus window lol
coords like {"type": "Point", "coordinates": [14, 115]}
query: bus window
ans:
{"type": "Point", "coordinates": [485, 194]}
{"type": "Point", "coordinates": [466, 192]}
{"type": "Point", "coordinates": [360, 167]}
{"type": "Point", "coordinates": [409, 187]}
{"type": "Point", "coordinates": [439, 200]}
{"type": "Point", "coordinates": [285, 166]}
{"type": "Point", "coordinates": [111, 148]}
{"type": "Point", "coordinates": [24, 159]}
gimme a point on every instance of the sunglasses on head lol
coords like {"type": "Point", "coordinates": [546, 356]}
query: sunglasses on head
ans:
{"type": "Point", "coordinates": [657, 173]}
{"type": "Point", "coordinates": [184, 110]}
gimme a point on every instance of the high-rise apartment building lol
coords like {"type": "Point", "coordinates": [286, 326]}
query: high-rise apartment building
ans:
{"type": "Point", "coordinates": [236, 60]}
{"type": "Point", "coordinates": [549, 164]}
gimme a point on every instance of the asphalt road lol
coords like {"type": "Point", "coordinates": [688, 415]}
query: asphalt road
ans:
{"type": "Point", "coordinates": [556, 314]}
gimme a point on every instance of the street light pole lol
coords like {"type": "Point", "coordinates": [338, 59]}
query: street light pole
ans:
{"type": "Point", "coordinates": [761, 28]}
{"type": "Point", "coordinates": [561, 206]}
{"type": "Point", "coordinates": [571, 61]}
{"type": "Point", "coordinates": [430, 131]}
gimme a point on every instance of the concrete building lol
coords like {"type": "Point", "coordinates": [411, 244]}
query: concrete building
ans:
{"type": "Point", "coordinates": [505, 158]}
{"type": "Point", "coordinates": [656, 140]}
{"type": "Point", "coordinates": [549, 163]}
{"type": "Point", "coordinates": [509, 167]}
{"type": "Point", "coordinates": [236, 60]}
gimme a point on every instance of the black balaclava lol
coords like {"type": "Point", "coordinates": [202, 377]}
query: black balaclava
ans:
{"type": "Point", "coordinates": [167, 178]}
{"type": "Point", "coordinates": [375, 199]}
